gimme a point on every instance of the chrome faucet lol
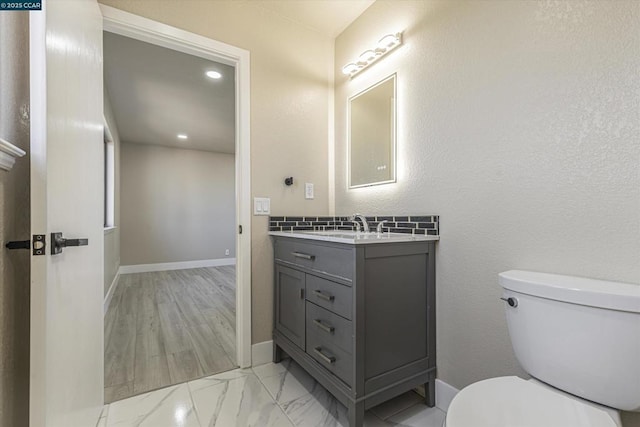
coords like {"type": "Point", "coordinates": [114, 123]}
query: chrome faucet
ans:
{"type": "Point", "coordinates": [365, 225]}
{"type": "Point", "coordinates": [379, 228]}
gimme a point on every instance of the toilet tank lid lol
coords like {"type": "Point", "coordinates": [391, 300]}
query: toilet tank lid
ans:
{"type": "Point", "coordinates": [578, 290]}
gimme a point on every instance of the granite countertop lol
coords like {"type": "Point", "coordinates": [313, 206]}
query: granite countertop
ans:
{"type": "Point", "coordinates": [355, 238]}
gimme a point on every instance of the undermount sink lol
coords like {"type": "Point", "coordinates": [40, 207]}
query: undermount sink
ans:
{"type": "Point", "coordinates": [353, 237]}
{"type": "Point", "coordinates": [360, 236]}
{"type": "Point", "coordinates": [344, 234]}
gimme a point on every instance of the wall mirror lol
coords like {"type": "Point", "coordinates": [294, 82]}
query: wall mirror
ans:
{"type": "Point", "coordinates": [372, 135]}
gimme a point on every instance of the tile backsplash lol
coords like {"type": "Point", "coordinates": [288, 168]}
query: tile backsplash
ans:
{"type": "Point", "coordinates": [410, 224]}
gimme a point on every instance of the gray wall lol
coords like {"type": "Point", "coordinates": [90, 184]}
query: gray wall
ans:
{"type": "Point", "coordinates": [177, 205]}
{"type": "Point", "coordinates": [14, 222]}
{"type": "Point", "coordinates": [112, 236]}
{"type": "Point", "coordinates": [518, 123]}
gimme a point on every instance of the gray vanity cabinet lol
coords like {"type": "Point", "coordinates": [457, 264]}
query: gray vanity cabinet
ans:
{"type": "Point", "coordinates": [360, 318]}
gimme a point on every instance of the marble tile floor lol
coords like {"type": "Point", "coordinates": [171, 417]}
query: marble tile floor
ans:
{"type": "Point", "coordinates": [271, 395]}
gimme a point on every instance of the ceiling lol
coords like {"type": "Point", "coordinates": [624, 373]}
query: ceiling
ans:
{"type": "Point", "coordinates": [157, 93]}
{"type": "Point", "coordinates": [328, 17]}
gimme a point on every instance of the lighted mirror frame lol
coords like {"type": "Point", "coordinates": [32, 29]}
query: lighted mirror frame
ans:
{"type": "Point", "coordinates": [393, 134]}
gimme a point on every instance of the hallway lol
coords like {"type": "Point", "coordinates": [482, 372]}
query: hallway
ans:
{"type": "Point", "coordinates": [168, 327]}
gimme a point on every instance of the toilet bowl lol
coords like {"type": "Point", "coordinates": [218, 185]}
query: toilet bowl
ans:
{"type": "Point", "coordinates": [512, 401]}
{"type": "Point", "coordinates": [580, 340]}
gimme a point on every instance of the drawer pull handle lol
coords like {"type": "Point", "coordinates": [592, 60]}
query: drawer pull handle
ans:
{"type": "Point", "coordinates": [320, 324]}
{"type": "Point", "coordinates": [325, 297]}
{"type": "Point", "coordinates": [303, 256]}
{"type": "Point", "coordinates": [328, 359]}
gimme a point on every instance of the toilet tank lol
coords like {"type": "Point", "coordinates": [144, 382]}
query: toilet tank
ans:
{"type": "Point", "coordinates": [576, 334]}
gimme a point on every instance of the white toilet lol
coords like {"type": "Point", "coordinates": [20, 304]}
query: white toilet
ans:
{"type": "Point", "coordinates": [580, 341]}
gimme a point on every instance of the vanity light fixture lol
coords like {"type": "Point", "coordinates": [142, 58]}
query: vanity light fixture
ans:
{"type": "Point", "coordinates": [182, 136]}
{"type": "Point", "coordinates": [213, 74]}
{"type": "Point", "coordinates": [368, 57]}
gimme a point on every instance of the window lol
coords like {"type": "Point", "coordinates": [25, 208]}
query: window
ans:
{"type": "Point", "coordinates": [109, 178]}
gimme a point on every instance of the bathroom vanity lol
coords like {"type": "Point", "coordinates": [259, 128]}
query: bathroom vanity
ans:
{"type": "Point", "coordinates": [357, 311]}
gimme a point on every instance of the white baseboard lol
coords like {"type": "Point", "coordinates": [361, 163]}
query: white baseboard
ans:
{"type": "Point", "coordinates": [444, 394]}
{"type": "Point", "coordinates": [261, 353]}
{"type": "Point", "coordinates": [112, 289]}
{"type": "Point", "coordinates": [166, 266]}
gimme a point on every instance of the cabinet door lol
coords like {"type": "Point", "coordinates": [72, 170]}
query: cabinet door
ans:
{"type": "Point", "coordinates": [290, 304]}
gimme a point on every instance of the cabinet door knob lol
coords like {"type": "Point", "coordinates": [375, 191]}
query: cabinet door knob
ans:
{"type": "Point", "coordinates": [323, 296]}
{"type": "Point", "coordinates": [328, 359]}
{"type": "Point", "coordinates": [303, 256]}
{"type": "Point", "coordinates": [327, 328]}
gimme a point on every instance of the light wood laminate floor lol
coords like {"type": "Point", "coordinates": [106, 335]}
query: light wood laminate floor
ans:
{"type": "Point", "coordinates": [168, 327]}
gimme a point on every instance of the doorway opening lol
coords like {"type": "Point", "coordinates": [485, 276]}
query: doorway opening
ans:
{"type": "Point", "coordinates": [177, 272]}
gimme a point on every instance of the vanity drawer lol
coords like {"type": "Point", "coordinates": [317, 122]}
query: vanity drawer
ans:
{"type": "Point", "coordinates": [331, 260]}
{"type": "Point", "coordinates": [329, 355]}
{"type": "Point", "coordinates": [330, 295]}
{"type": "Point", "coordinates": [337, 330]}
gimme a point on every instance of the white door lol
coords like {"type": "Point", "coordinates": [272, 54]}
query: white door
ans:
{"type": "Point", "coordinates": [66, 383]}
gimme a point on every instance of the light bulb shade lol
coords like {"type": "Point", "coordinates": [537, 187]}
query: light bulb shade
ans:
{"type": "Point", "coordinates": [388, 41]}
{"type": "Point", "coordinates": [350, 68]}
{"type": "Point", "coordinates": [367, 56]}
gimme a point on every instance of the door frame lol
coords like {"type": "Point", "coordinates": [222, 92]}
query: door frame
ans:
{"type": "Point", "coordinates": [146, 30]}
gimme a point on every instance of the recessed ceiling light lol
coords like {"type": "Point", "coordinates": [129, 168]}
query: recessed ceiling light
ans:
{"type": "Point", "coordinates": [182, 136]}
{"type": "Point", "coordinates": [213, 74]}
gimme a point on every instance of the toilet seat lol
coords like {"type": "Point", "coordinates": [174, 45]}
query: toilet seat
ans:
{"type": "Point", "coordinates": [514, 402]}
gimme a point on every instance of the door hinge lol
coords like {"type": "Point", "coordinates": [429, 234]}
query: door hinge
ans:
{"type": "Point", "coordinates": [39, 244]}
{"type": "Point", "coordinates": [239, 229]}
{"type": "Point", "coordinates": [18, 244]}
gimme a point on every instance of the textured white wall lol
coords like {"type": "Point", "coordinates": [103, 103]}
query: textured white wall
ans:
{"type": "Point", "coordinates": [518, 123]}
{"type": "Point", "coordinates": [177, 205]}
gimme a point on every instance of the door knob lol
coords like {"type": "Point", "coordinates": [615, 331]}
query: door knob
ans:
{"type": "Point", "coordinates": [58, 243]}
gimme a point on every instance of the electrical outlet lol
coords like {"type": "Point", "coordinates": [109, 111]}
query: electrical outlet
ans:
{"type": "Point", "coordinates": [308, 190]}
{"type": "Point", "coordinates": [226, 252]}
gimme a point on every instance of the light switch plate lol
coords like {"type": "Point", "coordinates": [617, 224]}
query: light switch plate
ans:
{"type": "Point", "coordinates": [308, 190]}
{"type": "Point", "coordinates": [261, 206]}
